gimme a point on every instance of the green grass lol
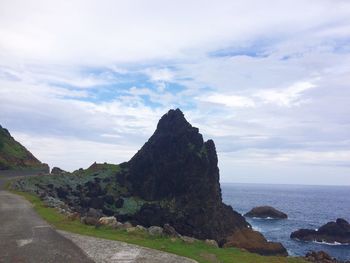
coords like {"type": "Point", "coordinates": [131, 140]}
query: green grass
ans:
{"type": "Point", "coordinates": [14, 149]}
{"type": "Point", "coordinates": [13, 155]}
{"type": "Point", "coordinates": [198, 250]}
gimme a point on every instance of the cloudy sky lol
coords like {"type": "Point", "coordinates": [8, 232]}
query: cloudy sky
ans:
{"type": "Point", "coordinates": [268, 81]}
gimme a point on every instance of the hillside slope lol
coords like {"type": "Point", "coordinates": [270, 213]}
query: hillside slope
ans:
{"type": "Point", "coordinates": [14, 156]}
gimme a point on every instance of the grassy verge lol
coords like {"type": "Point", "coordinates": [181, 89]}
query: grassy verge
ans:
{"type": "Point", "coordinates": [198, 251]}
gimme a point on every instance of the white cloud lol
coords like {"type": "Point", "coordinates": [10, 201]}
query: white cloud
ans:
{"type": "Point", "coordinates": [162, 74]}
{"type": "Point", "coordinates": [70, 153]}
{"type": "Point", "coordinates": [228, 100]}
{"type": "Point", "coordinates": [94, 32]}
{"type": "Point", "coordinates": [291, 96]}
{"type": "Point", "coordinates": [56, 58]}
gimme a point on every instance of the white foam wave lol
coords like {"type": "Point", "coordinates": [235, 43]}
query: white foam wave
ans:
{"type": "Point", "coordinates": [257, 229]}
{"type": "Point", "coordinates": [330, 244]}
{"type": "Point", "coordinates": [263, 218]}
{"type": "Point", "coordinates": [323, 242]}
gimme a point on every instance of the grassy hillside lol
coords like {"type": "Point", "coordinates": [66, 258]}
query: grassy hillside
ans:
{"type": "Point", "coordinates": [13, 155]}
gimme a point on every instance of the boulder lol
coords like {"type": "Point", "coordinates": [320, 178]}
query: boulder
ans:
{"type": "Point", "coordinates": [108, 221]}
{"type": "Point", "coordinates": [170, 231]}
{"type": "Point", "coordinates": [211, 242]}
{"type": "Point", "coordinates": [188, 239]}
{"type": "Point", "coordinates": [338, 231]}
{"type": "Point", "coordinates": [321, 257]}
{"type": "Point", "coordinates": [127, 225]}
{"type": "Point", "coordinates": [94, 213]}
{"type": "Point", "coordinates": [254, 242]}
{"type": "Point", "coordinates": [88, 220]}
{"type": "Point", "coordinates": [266, 212]}
{"type": "Point", "coordinates": [155, 230]}
{"type": "Point", "coordinates": [132, 229]}
{"type": "Point", "coordinates": [118, 225]}
{"type": "Point", "coordinates": [141, 228]}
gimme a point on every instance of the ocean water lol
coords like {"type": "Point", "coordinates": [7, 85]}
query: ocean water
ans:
{"type": "Point", "coordinates": [306, 206]}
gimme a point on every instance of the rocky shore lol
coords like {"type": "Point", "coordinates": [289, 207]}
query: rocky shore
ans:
{"type": "Point", "coordinates": [321, 257]}
{"type": "Point", "coordinates": [172, 182]}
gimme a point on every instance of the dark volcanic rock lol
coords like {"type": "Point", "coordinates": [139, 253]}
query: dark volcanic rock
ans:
{"type": "Point", "coordinates": [331, 232]}
{"type": "Point", "coordinates": [61, 192]}
{"type": "Point", "coordinates": [254, 241]}
{"type": "Point", "coordinates": [266, 212]}
{"type": "Point", "coordinates": [179, 169]}
{"type": "Point", "coordinates": [175, 161]}
{"type": "Point", "coordinates": [119, 203]}
{"type": "Point", "coordinates": [109, 199]}
{"type": "Point", "coordinates": [57, 171]}
{"type": "Point", "coordinates": [93, 213]}
{"type": "Point", "coordinates": [92, 216]}
{"type": "Point", "coordinates": [96, 202]}
{"type": "Point", "coordinates": [321, 257]}
{"type": "Point", "coordinates": [170, 231]}
{"type": "Point", "coordinates": [177, 165]}
{"type": "Point", "coordinates": [94, 189]}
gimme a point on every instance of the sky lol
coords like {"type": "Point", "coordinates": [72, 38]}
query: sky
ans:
{"type": "Point", "coordinates": [268, 81]}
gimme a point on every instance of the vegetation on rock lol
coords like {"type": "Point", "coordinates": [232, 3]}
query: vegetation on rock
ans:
{"type": "Point", "coordinates": [13, 155]}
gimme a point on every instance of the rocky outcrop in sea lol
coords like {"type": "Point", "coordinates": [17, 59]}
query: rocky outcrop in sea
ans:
{"type": "Point", "coordinates": [332, 232]}
{"type": "Point", "coordinates": [266, 212]}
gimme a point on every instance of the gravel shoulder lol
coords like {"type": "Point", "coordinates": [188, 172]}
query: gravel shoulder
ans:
{"type": "Point", "coordinates": [108, 251]}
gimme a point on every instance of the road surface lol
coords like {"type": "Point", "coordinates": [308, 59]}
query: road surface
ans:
{"type": "Point", "coordinates": [25, 237]}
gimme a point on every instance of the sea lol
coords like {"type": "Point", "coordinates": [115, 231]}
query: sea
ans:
{"type": "Point", "coordinates": [307, 207]}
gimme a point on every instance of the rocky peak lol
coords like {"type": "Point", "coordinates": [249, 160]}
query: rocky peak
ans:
{"type": "Point", "coordinates": [4, 132]}
{"type": "Point", "coordinates": [178, 172]}
{"type": "Point", "coordinates": [175, 161]}
{"type": "Point", "coordinates": [174, 122]}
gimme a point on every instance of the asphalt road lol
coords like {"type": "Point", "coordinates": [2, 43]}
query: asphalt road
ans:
{"type": "Point", "coordinates": [25, 237]}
